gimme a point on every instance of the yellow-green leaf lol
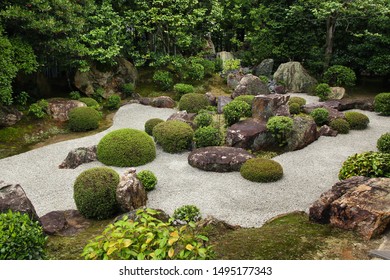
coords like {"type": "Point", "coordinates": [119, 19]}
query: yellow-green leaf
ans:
{"type": "Point", "coordinates": [111, 250]}
{"type": "Point", "coordinates": [189, 247]}
{"type": "Point", "coordinates": [171, 252]}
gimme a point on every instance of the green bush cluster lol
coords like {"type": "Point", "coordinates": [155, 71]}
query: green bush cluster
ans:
{"type": "Point", "coordinates": [183, 88]}
{"type": "Point", "coordinates": [75, 95]}
{"type": "Point", "coordinates": [322, 91]}
{"type": "Point", "coordinates": [21, 238]}
{"type": "Point", "coordinates": [126, 147]}
{"type": "Point", "coordinates": [340, 125]}
{"type": "Point", "coordinates": [207, 136]}
{"type": "Point", "coordinates": [357, 120]}
{"type": "Point", "coordinates": [148, 179]}
{"type": "Point", "coordinates": [173, 136]}
{"type": "Point", "coordinates": [150, 124]}
{"type": "Point", "coordinates": [368, 164]}
{"type": "Point", "coordinates": [193, 71]}
{"type": "Point", "coordinates": [148, 238]}
{"type": "Point", "coordinates": [22, 98]}
{"type": "Point", "coordinates": [193, 102]}
{"type": "Point", "coordinates": [236, 110]}
{"type": "Point", "coordinates": [187, 213]}
{"type": "Point", "coordinates": [113, 102]}
{"type": "Point", "coordinates": [203, 119]}
{"type": "Point", "coordinates": [382, 103]}
{"type": "Point", "coordinates": [98, 95]}
{"type": "Point", "coordinates": [383, 143]}
{"type": "Point", "coordinates": [320, 116]}
{"type": "Point", "coordinates": [163, 79]}
{"type": "Point", "coordinates": [340, 76]}
{"type": "Point", "coordinates": [280, 128]}
{"type": "Point", "coordinates": [294, 108]}
{"type": "Point", "coordinates": [261, 170]}
{"type": "Point", "coordinates": [83, 119]}
{"type": "Point", "coordinates": [246, 98]}
{"type": "Point", "coordinates": [231, 65]}
{"type": "Point", "coordinates": [94, 193]}
{"type": "Point", "coordinates": [39, 109]}
{"type": "Point", "coordinates": [128, 89]}
{"type": "Point", "coordinates": [295, 99]}
{"type": "Point", "coordinates": [90, 102]}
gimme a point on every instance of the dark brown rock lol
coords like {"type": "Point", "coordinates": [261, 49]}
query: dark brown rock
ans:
{"type": "Point", "coordinates": [266, 106]}
{"type": "Point", "coordinates": [250, 85]}
{"type": "Point", "coordinates": [243, 133]}
{"type": "Point", "coordinates": [265, 68]}
{"type": "Point", "coordinates": [222, 101]}
{"type": "Point", "coordinates": [64, 223]}
{"type": "Point", "coordinates": [163, 102]}
{"type": "Point", "coordinates": [361, 104]}
{"type": "Point", "coordinates": [211, 98]}
{"type": "Point", "coordinates": [79, 156]}
{"type": "Point", "coordinates": [59, 108]}
{"type": "Point", "coordinates": [9, 116]}
{"type": "Point", "coordinates": [130, 192]}
{"type": "Point", "coordinates": [304, 133]}
{"type": "Point", "coordinates": [233, 79]}
{"type": "Point", "coordinates": [327, 131]}
{"type": "Point", "coordinates": [218, 159]}
{"type": "Point", "coordinates": [145, 101]}
{"type": "Point", "coordinates": [132, 215]}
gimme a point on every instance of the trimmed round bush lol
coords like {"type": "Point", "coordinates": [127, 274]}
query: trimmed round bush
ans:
{"type": "Point", "coordinates": [183, 88]}
{"type": "Point", "coordinates": [150, 124]}
{"type": "Point", "coordinates": [236, 110]}
{"type": "Point", "coordinates": [90, 102]}
{"type": "Point", "coordinates": [20, 237]}
{"type": "Point", "coordinates": [148, 179]}
{"type": "Point", "coordinates": [113, 102]}
{"type": "Point", "coordinates": [340, 125]}
{"type": "Point", "coordinates": [94, 193]}
{"type": "Point", "coordinates": [322, 91]}
{"type": "Point", "coordinates": [163, 79]}
{"type": "Point", "coordinates": [383, 143]}
{"type": "Point", "coordinates": [193, 102]}
{"type": "Point", "coordinates": [126, 147]}
{"type": "Point", "coordinates": [187, 213]}
{"type": "Point", "coordinates": [357, 120]}
{"type": "Point", "coordinates": [83, 119]}
{"type": "Point", "coordinates": [246, 98]}
{"type": "Point", "coordinates": [280, 128]}
{"type": "Point", "coordinates": [261, 170]}
{"type": "Point", "coordinates": [295, 99]}
{"type": "Point", "coordinates": [340, 76]}
{"type": "Point", "coordinates": [382, 103]}
{"type": "Point", "coordinates": [173, 136]}
{"type": "Point", "coordinates": [207, 136]}
{"type": "Point", "coordinates": [295, 108]}
{"type": "Point", "coordinates": [203, 119]}
{"type": "Point", "coordinates": [368, 164]}
{"type": "Point", "coordinates": [320, 116]}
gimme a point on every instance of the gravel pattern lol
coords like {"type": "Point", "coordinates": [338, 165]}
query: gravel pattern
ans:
{"type": "Point", "coordinates": [227, 196]}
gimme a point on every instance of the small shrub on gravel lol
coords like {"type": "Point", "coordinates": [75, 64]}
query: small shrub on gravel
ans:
{"type": "Point", "coordinates": [368, 164]}
{"type": "Point", "coordinates": [320, 116]}
{"type": "Point", "coordinates": [382, 103]}
{"type": "Point", "coordinates": [148, 179]}
{"type": "Point", "coordinates": [83, 119]}
{"type": "Point", "coordinates": [183, 88]}
{"type": "Point", "coordinates": [322, 91]}
{"type": "Point", "coordinates": [207, 136]}
{"type": "Point", "coordinates": [126, 147]}
{"type": "Point", "coordinates": [340, 76]}
{"type": "Point", "coordinates": [150, 124]}
{"type": "Point", "coordinates": [20, 237]}
{"type": "Point", "coordinates": [187, 213]}
{"type": "Point", "coordinates": [193, 102]}
{"type": "Point", "coordinates": [295, 108]}
{"type": "Point", "coordinates": [357, 120]}
{"type": "Point", "coordinates": [90, 102]}
{"type": "Point", "coordinates": [113, 102]}
{"type": "Point", "coordinates": [173, 136]}
{"type": "Point", "coordinates": [203, 119]}
{"type": "Point", "coordinates": [280, 128]}
{"type": "Point", "coordinates": [383, 143]}
{"type": "Point", "coordinates": [295, 99]}
{"type": "Point", "coordinates": [261, 170]}
{"type": "Point", "coordinates": [246, 98]}
{"type": "Point", "coordinates": [236, 110]}
{"type": "Point", "coordinates": [340, 125]}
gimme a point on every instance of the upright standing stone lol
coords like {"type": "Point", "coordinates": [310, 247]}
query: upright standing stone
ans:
{"type": "Point", "coordinates": [266, 106]}
{"type": "Point", "coordinates": [295, 77]}
{"type": "Point", "coordinates": [265, 68]}
{"type": "Point", "coordinates": [130, 192]}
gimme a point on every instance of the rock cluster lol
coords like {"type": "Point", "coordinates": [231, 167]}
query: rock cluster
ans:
{"type": "Point", "coordinates": [79, 156]}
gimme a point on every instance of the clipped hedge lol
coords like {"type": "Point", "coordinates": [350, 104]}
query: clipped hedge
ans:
{"type": "Point", "coordinates": [173, 136]}
{"type": "Point", "coordinates": [236, 110]}
{"type": "Point", "coordinates": [295, 99]}
{"type": "Point", "coordinates": [83, 119]}
{"type": "Point", "coordinates": [246, 98]}
{"type": "Point", "coordinates": [340, 125]}
{"type": "Point", "coordinates": [150, 124]}
{"type": "Point", "coordinates": [90, 102]}
{"type": "Point", "coordinates": [320, 116]}
{"type": "Point", "coordinates": [148, 179]}
{"type": "Point", "coordinates": [294, 108]}
{"type": "Point", "coordinates": [193, 102]}
{"type": "Point", "coordinates": [382, 103]}
{"type": "Point", "coordinates": [383, 143]}
{"type": "Point", "coordinates": [207, 136]}
{"type": "Point", "coordinates": [261, 170]}
{"type": "Point", "coordinates": [357, 120]}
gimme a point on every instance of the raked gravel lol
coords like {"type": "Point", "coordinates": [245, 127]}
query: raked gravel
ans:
{"type": "Point", "coordinates": [227, 196]}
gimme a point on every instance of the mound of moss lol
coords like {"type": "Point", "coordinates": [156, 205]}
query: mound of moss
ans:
{"type": "Point", "coordinates": [357, 120]}
{"type": "Point", "coordinates": [83, 119]}
{"type": "Point", "coordinates": [261, 170]}
{"type": "Point", "coordinates": [150, 124]}
{"type": "Point", "coordinates": [173, 136]}
{"type": "Point", "coordinates": [193, 102]}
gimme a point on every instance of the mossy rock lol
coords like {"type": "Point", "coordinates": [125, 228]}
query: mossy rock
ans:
{"type": "Point", "coordinates": [173, 136]}
{"type": "Point", "coordinates": [193, 102]}
{"type": "Point", "coordinates": [83, 119]}
{"type": "Point", "coordinates": [261, 170]}
{"type": "Point", "coordinates": [126, 147]}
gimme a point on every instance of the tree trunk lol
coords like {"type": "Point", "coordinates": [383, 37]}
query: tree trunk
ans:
{"type": "Point", "coordinates": [330, 30]}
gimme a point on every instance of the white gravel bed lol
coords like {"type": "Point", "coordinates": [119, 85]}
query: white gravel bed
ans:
{"type": "Point", "coordinates": [227, 196]}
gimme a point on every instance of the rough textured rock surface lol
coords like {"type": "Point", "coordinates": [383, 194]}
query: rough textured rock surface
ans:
{"type": "Point", "coordinates": [225, 56]}
{"type": "Point", "coordinates": [211, 98]}
{"type": "Point", "coordinates": [327, 131]}
{"type": "Point", "coordinates": [64, 223]}
{"type": "Point", "coordinates": [163, 102]}
{"type": "Point", "coordinates": [265, 142]}
{"type": "Point", "coordinates": [303, 134]}
{"type": "Point", "coordinates": [132, 215]}
{"type": "Point", "coordinates": [218, 159]}
{"type": "Point", "coordinates": [265, 68]}
{"type": "Point", "coordinates": [79, 156]}
{"type": "Point", "coordinates": [130, 192]}
{"type": "Point", "coordinates": [266, 106]}
{"type": "Point", "coordinates": [9, 116]}
{"type": "Point", "coordinates": [337, 93]}
{"type": "Point", "coordinates": [13, 197]}
{"type": "Point", "coordinates": [243, 133]}
{"type": "Point", "coordinates": [361, 104]}
{"type": "Point", "coordinates": [111, 81]}
{"type": "Point", "coordinates": [250, 85]}
{"type": "Point", "coordinates": [222, 101]}
{"type": "Point", "coordinates": [233, 79]}
{"type": "Point", "coordinates": [295, 77]}
{"type": "Point", "coordinates": [183, 116]}
{"type": "Point", "coordinates": [59, 108]}
{"type": "Point", "coordinates": [358, 203]}
{"type": "Point", "coordinates": [333, 113]}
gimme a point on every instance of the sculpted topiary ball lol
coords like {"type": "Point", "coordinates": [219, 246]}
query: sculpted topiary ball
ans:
{"type": "Point", "coordinates": [126, 147]}
{"type": "Point", "coordinates": [173, 136]}
{"type": "Point", "coordinates": [261, 170]}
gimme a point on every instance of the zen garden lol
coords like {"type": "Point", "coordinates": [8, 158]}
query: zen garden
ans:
{"type": "Point", "coordinates": [194, 130]}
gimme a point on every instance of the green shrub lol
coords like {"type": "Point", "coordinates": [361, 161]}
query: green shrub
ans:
{"type": "Point", "coordinates": [246, 98]}
{"type": "Point", "coordinates": [183, 88]}
{"type": "Point", "coordinates": [90, 102]}
{"type": "Point", "coordinates": [193, 102]}
{"type": "Point", "coordinates": [368, 164]}
{"type": "Point", "coordinates": [231, 65]}
{"type": "Point", "coordinates": [320, 116]}
{"type": "Point", "coordinates": [187, 213]}
{"type": "Point", "coordinates": [173, 136]}
{"type": "Point", "coordinates": [383, 143]}
{"type": "Point", "coordinates": [236, 110]}
{"type": "Point", "coordinates": [22, 98]}
{"type": "Point", "coordinates": [264, 79]}
{"type": "Point", "coordinates": [94, 193]}
{"type": "Point", "coordinates": [261, 170]}
{"type": "Point", "coordinates": [208, 66]}
{"type": "Point", "coordinates": [113, 102]}
{"type": "Point", "coordinates": [295, 108]}
{"type": "Point", "coordinates": [39, 109]}
{"type": "Point", "coordinates": [218, 64]}
{"type": "Point", "coordinates": [340, 76]}
{"type": "Point", "coordinates": [10, 134]}
{"type": "Point", "coordinates": [148, 179]}
{"type": "Point", "coordinates": [75, 95]}
{"type": "Point", "coordinates": [128, 89]}
{"type": "Point", "coordinates": [126, 147]}
{"type": "Point", "coordinates": [340, 125]}
{"type": "Point", "coordinates": [203, 119]}
{"type": "Point", "coordinates": [98, 95]}
{"type": "Point", "coordinates": [357, 120]}
{"type": "Point", "coordinates": [20, 237]}
{"type": "Point", "coordinates": [83, 119]}
{"type": "Point", "coordinates": [295, 99]}
{"type": "Point", "coordinates": [382, 103]}
{"type": "Point", "coordinates": [207, 136]}
{"type": "Point", "coordinates": [193, 70]}
{"type": "Point", "coordinates": [163, 79]}
{"type": "Point", "coordinates": [322, 91]}
{"type": "Point", "coordinates": [150, 124]}
{"type": "Point", "coordinates": [280, 128]}
{"type": "Point", "coordinates": [148, 238]}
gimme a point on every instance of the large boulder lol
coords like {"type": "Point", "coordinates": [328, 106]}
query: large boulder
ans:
{"type": "Point", "coordinates": [359, 203]}
{"type": "Point", "coordinates": [327, 131]}
{"type": "Point", "coordinates": [233, 79]}
{"type": "Point", "coordinates": [163, 102]}
{"type": "Point", "coordinates": [250, 85]}
{"type": "Point", "coordinates": [13, 197]}
{"type": "Point", "coordinates": [59, 108]}
{"type": "Point", "coordinates": [64, 223]}
{"type": "Point", "coordinates": [266, 106]}
{"type": "Point", "coordinates": [218, 159]}
{"type": "Point", "coordinates": [243, 133]}
{"type": "Point", "coordinates": [79, 156]}
{"type": "Point", "coordinates": [295, 77]}
{"type": "Point", "coordinates": [9, 116]}
{"type": "Point", "coordinates": [111, 80]}
{"type": "Point", "coordinates": [130, 192]}
{"type": "Point", "coordinates": [265, 68]}
{"type": "Point", "coordinates": [211, 98]}
{"type": "Point", "coordinates": [222, 101]}
{"type": "Point", "coordinates": [304, 132]}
